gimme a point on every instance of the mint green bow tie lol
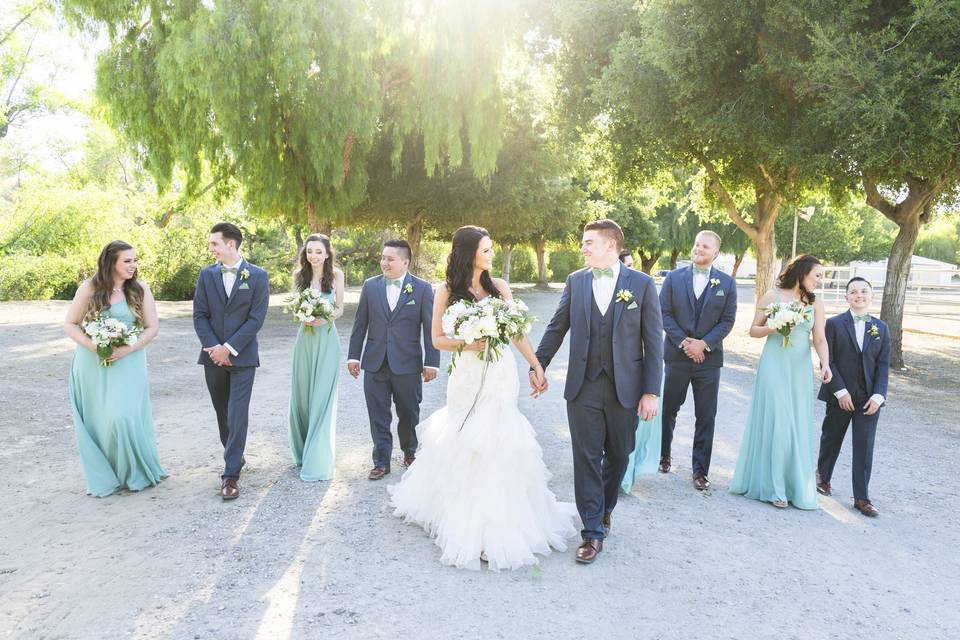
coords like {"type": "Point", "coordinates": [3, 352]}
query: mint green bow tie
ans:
{"type": "Point", "coordinates": [603, 273]}
{"type": "Point", "coordinates": [864, 318]}
{"type": "Point", "coordinates": [396, 283]}
{"type": "Point", "coordinates": [224, 269]}
{"type": "Point", "coordinates": [697, 271]}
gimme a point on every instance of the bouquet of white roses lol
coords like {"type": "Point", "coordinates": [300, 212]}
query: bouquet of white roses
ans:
{"type": "Point", "coordinates": [492, 319]}
{"type": "Point", "coordinates": [107, 333]}
{"type": "Point", "coordinates": [308, 306]}
{"type": "Point", "coordinates": [784, 316]}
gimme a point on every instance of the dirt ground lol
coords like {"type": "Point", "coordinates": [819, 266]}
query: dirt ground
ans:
{"type": "Point", "coordinates": [296, 560]}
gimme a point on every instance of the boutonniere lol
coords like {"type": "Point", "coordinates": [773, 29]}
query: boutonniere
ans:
{"type": "Point", "coordinates": [624, 295]}
{"type": "Point", "coordinates": [408, 288]}
{"type": "Point", "coordinates": [244, 273]}
{"type": "Point", "coordinates": [874, 332]}
{"type": "Point", "coordinates": [714, 282]}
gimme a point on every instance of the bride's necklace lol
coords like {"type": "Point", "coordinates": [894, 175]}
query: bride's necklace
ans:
{"type": "Point", "coordinates": [477, 292]}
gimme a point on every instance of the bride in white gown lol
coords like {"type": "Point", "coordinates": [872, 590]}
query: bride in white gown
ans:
{"type": "Point", "coordinates": [481, 491]}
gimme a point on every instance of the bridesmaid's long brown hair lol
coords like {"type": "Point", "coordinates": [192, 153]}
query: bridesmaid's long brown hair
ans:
{"type": "Point", "coordinates": [304, 274]}
{"type": "Point", "coordinates": [794, 273]}
{"type": "Point", "coordinates": [102, 283]}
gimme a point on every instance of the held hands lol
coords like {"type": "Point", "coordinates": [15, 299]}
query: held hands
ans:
{"type": "Point", "coordinates": [353, 368]}
{"type": "Point", "coordinates": [478, 345]}
{"type": "Point", "coordinates": [868, 409]}
{"type": "Point", "coordinates": [694, 349]}
{"type": "Point", "coordinates": [826, 375]}
{"type": "Point", "coordinates": [846, 403]}
{"type": "Point", "coordinates": [428, 374]}
{"type": "Point", "coordinates": [319, 322]}
{"type": "Point", "coordinates": [538, 382]}
{"type": "Point", "coordinates": [648, 408]}
{"type": "Point", "coordinates": [118, 352]}
{"type": "Point", "coordinates": [220, 355]}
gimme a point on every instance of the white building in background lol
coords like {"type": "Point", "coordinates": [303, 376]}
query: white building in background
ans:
{"type": "Point", "coordinates": [923, 272]}
{"type": "Point", "coordinates": [748, 268]}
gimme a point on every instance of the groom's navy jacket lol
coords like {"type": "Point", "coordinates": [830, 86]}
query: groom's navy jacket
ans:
{"type": "Point", "coordinates": [863, 374]}
{"type": "Point", "coordinates": [394, 336]}
{"type": "Point", "coordinates": [636, 338]}
{"type": "Point", "coordinates": [709, 319]}
{"type": "Point", "coordinates": [234, 320]}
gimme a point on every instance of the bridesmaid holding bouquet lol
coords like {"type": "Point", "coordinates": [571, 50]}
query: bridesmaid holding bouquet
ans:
{"type": "Point", "coordinates": [316, 353]}
{"type": "Point", "coordinates": [109, 391]}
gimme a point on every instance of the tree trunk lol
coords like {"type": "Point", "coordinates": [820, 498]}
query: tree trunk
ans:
{"type": "Point", "coordinates": [506, 252]}
{"type": "Point", "coordinates": [674, 254]}
{"type": "Point", "coordinates": [765, 247]}
{"type": "Point", "coordinates": [737, 261]}
{"type": "Point", "coordinates": [895, 285]}
{"type": "Point", "coordinates": [540, 247]}
{"type": "Point", "coordinates": [414, 229]}
{"type": "Point", "coordinates": [648, 262]}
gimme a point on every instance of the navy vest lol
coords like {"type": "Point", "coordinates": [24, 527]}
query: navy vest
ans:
{"type": "Point", "coordinates": [698, 307]}
{"type": "Point", "coordinates": [600, 350]}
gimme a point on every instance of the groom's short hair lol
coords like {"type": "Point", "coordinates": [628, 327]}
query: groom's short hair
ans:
{"type": "Point", "coordinates": [229, 232]}
{"type": "Point", "coordinates": [857, 279]}
{"type": "Point", "coordinates": [608, 228]}
{"type": "Point", "coordinates": [400, 244]}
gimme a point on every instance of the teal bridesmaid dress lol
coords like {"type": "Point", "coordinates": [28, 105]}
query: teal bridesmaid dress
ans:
{"type": "Point", "coordinates": [646, 452]}
{"type": "Point", "coordinates": [111, 412]}
{"type": "Point", "coordinates": [776, 460]}
{"type": "Point", "coordinates": [313, 401]}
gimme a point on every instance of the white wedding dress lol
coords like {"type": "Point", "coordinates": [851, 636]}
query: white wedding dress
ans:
{"type": "Point", "coordinates": [483, 488]}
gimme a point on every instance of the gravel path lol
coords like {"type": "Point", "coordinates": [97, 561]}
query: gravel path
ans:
{"type": "Point", "coordinates": [296, 560]}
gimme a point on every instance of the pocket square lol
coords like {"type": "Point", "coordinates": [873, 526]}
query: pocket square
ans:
{"type": "Point", "coordinates": [410, 302]}
{"type": "Point", "coordinates": [720, 292]}
{"type": "Point", "coordinates": [244, 286]}
{"type": "Point", "coordinates": [632, 305]}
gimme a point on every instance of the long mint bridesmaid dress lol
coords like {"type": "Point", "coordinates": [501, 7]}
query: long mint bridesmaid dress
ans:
{"type": "Point", "coordinates": [776, 460]}
{"type": "Point", "coordinates": [111, 412]}
{"type": "Point", "coordinates": [313, 401]}
{"type": "Point", "coordinates": [646, 452]}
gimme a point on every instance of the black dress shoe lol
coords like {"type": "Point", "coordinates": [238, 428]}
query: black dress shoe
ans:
{"type": "Point", "coordinates": [664, 465]}
{"type": "Point", "coordinates": [823, 488]}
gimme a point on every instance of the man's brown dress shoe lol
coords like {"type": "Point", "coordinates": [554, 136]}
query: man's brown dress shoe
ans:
{"type": "Point", "coordinates": [866, 508]}
{"type": "Point", "coordinates": [588, 551]}
{"type": "Point", "coordinates": [664, 465]}
{"type": "Point", "coordinates": [606, 524]}
{"type": "Point", "coordinates": [700, 481]}
{"type": "Point", "coordinates": [408, 460]}
{"type": "Point", "coordinates": [229, 489]}
{"type": "Point", "coordinates": [378, 472]}
{"type": "Point", "coordinates": [823, 488]}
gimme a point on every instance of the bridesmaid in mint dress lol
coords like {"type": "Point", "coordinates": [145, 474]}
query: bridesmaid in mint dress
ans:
{"type": "Point", "coordinates": [316, 355]}
{"type": "Point", "coordinates": [111, 405]}
{"type": "Point", "coordinates": [776, 462]}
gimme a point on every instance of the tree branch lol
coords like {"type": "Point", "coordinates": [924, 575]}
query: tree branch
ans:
{"type": "Point", "coordinates": [877, 201]}
{"type": "Point", "coordinates": [716, 185]}
{"type": "Point", "coordinates": [26, 17]}
{"type": "Point", "coordinates": [767, 177]}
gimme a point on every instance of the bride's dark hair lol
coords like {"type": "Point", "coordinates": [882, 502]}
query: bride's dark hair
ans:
{"type": "Point", "coordinates": [463, 254]}
{"type": "Point", "coordinates": [794, 273]}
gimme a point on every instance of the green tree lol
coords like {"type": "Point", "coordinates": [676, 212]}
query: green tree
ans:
{"type": "Point", "coordinates": [836, 234]}
{"type": "Point", "coordinates": [289, 98]}
{"type": "Point", "coordinates": [885, 76]}
{"type": "Point", "coordinates": [703, 82]}
{"type": "Point", "coordinates": [732, 241]}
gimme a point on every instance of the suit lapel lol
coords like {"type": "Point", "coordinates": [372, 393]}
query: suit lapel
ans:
{"type": "Point", "coordinates": [217, 283]}
{"type": "Point", "coordinates": [688, 284]}
{"type": "Point", "coordinates": [623, 282]}
{"type": "Point", "coordinates": [382, 295]}
{"type": "Point", "coordinates": [852, 330]}
{"type": "Point", "coordinates": [587, 297]}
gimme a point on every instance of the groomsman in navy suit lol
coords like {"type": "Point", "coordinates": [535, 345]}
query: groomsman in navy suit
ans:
{"type": "Point", "coordinates": [860, 360]}
{"type": "Point", "coordinates": [395, 309]}
{"type": "Point", "coordinates": [699, 306]}
{"type": "Point", "coordinates": [229, 306]}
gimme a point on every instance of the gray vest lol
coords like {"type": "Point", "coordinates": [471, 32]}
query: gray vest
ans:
{"type": "Point", "coordinates": [600, 351]}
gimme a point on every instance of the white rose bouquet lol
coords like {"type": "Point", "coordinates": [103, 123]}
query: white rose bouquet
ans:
{"type": "Point", "coordinates": [108, 333]}
{"type": "Point", "coordinates": [784, 316]}
{"type": "Point", "coordinates": [308, 306]}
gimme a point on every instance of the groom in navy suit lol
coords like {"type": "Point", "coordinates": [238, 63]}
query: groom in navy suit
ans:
{"type": "Point", "coordinates": [860, 360]}
{"type": "Point", "coordinates": [395, 309]}
{"type": "Point", "coordinates": [229, 306]}
{"type": "Point", "coordinates": [699, 305]}
{"type": "Point", "coordinates": [613, 373]}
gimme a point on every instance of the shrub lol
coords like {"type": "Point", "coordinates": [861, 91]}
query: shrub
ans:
{"type": "Point", "coordinates": [26, 277]}
{"type": "Point", "coordinates": [563, 262]}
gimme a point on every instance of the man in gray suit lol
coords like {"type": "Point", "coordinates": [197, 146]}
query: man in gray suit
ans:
{"type": "Point", "coordinates": [613, 376]}
{"type": "Point", "coordinates": [229, 307]}
{"type": "Point", "coordinates": [395, 309]}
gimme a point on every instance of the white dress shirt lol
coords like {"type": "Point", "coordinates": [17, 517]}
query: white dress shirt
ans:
{"type": "Point", "coordinates": [860, 329]}
{"type": "Point", "coordinates": [393, 296]}
{"type": "Point", "coordinates": [700, 283]}
{"type": "Point", "coordinates": [229, 279]}
{"type": "Point", "coordinates": [603, 289]}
